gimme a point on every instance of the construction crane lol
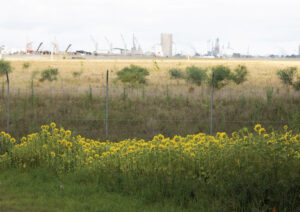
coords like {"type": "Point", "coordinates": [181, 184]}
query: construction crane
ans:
{"type": "Point", "coordinates": [125, 46]}
{"type": "Point", "coordinates": [95, 44]}
{"type": "Point", "coordinates": [67, 49]}
{"type": "Point", "coordinates": [133, 49]}
{"type": "Point", "coordinates": [109, 44]}
{"type": "Point", "coordinates": [38, 48]}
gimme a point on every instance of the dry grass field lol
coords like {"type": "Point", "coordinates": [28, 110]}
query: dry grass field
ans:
{"type": "Point", "coordinates": [162, 106]}
{"type": "Point", "coordinates": [262, 75]}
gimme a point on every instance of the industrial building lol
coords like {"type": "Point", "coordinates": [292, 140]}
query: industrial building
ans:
{"type": "Point", "coordinates": [166, 44]}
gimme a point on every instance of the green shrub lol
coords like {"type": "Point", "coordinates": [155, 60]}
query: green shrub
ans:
{"type": "Point", "coordinates": [240, 74]}
{"type": "Point", "coordinates": [296, 84]}
{"type": "Point", "coordinates": [176, 73]}
{"type": "Point", "coordinates": [4, 67]}
{"type": "Point", "coordinates": [49, 74]}
{"type": "Point", "coordinates": [133, 75]}
{"type": "Point", "coordinates": [26, 65]}
{"type": "Point", "coordinates": [222, 75]}
{"type": "Point", "coordinates": [76, 74]}
{"type": "Point", "coordinates": [287, 75]}
{"type": "Point", "coordinates": [196, 75]}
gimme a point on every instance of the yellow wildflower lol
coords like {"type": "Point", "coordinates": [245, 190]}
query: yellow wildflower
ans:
{"type": "Point", "coordinates": [257, 127]}
{"type": "Point", "coordinates": [12, 140]}
{"type": "Point", "coordinates": [53, 125]}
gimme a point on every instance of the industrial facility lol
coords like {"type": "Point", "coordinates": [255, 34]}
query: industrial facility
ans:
{"type": "Point", "coordinates": [166, 48]}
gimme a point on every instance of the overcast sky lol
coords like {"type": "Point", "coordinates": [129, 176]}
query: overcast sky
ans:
{"type": "Point", "coordinates": [265, 26]}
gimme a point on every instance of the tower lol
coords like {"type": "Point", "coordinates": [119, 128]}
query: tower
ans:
{"type": "Point", "coordinates": [166, 44]}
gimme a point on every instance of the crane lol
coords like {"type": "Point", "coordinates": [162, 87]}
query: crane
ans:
{"type": "Point", "coordinates": [67, 49]}
{"type": "Point", "coordinates": [95, 43]}
{"type": "Point", "coordinates": [38, 48]}
{"type": "Point", "coordinates": [133, 49]}
{"type": "Point", "coordinates": [125, 46]}
{"type": "Point", "coordinates": [109, 44]}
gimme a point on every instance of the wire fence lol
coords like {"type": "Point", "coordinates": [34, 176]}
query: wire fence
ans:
{"type": "Point", "coordinates": [112, 128]}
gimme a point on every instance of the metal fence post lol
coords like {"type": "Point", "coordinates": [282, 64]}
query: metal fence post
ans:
{"type": "Point", "coordinates": [106, 108]}
{"type": "Point", "coordinates": [8, 100]}
{"type": "Point", "coordinates": [211, 103]}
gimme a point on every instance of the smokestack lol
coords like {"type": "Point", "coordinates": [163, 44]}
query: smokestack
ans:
{"type": "Point", "coordinates": [166, 44]}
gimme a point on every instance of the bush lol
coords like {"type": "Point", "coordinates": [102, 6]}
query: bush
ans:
{"type": "Point", "coordinates": [76, 74]}
{"type": "Point", "coordinates": [296, 84]}
{"type": "Point", "coordinates": [222, 75]}
{"type": "Point", "coordinates": [196, 75]}
{"type": "Point", "coordinates": [49, 74]}
{"type": "Point", "coordinates": [240, 74]}
{"type": "Point", "coordinates": [287, 75]}
{"type": "Point", "coordinates": [176, 73]}
{"type": "Point", "coordinates": [4, 67]}
{"type": "Point", "coordinates": [26, 65]}
{"type": "Point", "coordinates": [133, 75]}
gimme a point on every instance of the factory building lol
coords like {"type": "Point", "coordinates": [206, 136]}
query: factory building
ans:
{"type": "Point", "coordinates": [166, 44]}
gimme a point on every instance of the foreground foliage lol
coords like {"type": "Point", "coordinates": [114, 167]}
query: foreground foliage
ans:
{"type": "Point", "coordinates": [243, 171]}
{"type": "Point", "coordinates": [41, 190]}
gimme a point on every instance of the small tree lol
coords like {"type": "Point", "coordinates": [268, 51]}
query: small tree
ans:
{"type": "Point", "coordinates": [196, 75]}
{"type": "Point", "coordinates": [220, 77]}
{"type": "Point", "coordinates": [49, 74]}
{"type": "Point", "coordinates": [288, 77]}
{"type": "Point", "coordinates": [176, 73]}
{"type": "Point", "coordinates": [240, 74]}
{"type": "Point", "coordinates": [5, 69]}
{"type": "Point", "coordinates": [133, 75]}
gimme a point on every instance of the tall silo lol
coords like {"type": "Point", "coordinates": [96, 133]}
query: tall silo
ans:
{"type": "Point", "coordinates": [166, 44]}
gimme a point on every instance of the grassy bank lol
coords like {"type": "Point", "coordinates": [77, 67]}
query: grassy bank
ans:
{"type": "Point", "coordinates": [40, 190]}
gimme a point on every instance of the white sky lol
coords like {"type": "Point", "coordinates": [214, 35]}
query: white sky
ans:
{"type": "Point", "coordinates": [266, 26]}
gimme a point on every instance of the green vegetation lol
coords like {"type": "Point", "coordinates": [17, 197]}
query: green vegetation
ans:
{"type": "Point", "coordinates": [26, 65]}
{"type": "Point", "coordinates": [133, 75]}
{"type": "Point", "coordinates": [222, 75]}
{"type": "Point", "coordinates": [40, 190]}
{"type": "Point", "coordinates": [240, 74]}
{"type": "Point", "coordinates": [245, 171]}
{"type": "Point", "coordinates": [49, 74]}
{"type": "Point", "coordinates": [176, 73]}
{"type": "Point", "coordinates": [288, 77]}
{"type": "Point", "coordinates": [5, 67]}
{"type": "Point", "coordinates": [196, 75]}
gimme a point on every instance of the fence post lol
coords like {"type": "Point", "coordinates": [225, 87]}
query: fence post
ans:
{"type": "Point", "coordinates": [211, 103]}
{"type": "Point", "coordinates": [7, 121]}
{"type": "Point", "coordinates": [106, 108]}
